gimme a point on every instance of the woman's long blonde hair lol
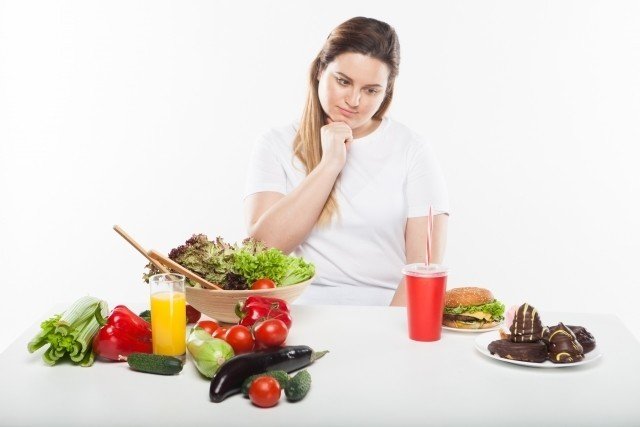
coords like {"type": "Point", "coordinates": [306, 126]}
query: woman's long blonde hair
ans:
{"type": "Point", "coordinates": [366, 36]}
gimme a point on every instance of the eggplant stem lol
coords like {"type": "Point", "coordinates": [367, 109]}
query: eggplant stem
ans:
{"type": "Point", "coordinates": [317, 355]}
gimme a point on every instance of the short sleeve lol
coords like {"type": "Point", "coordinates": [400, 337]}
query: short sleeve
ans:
{"type": "Point", "coordinates": [426, 186]}
{"type": "Point", "coordinates": [265, 172]}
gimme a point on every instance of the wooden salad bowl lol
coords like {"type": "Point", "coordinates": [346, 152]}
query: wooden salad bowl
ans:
{"type": "Point", "coordinates": [220, 305]}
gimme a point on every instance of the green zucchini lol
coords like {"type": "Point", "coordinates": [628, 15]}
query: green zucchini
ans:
{"type": "Point", "coordinates": [298, 386]}
{"type": "Point", "coordinates": [281, 376]}
{"type": "Point", "coordinates": [154, 363]}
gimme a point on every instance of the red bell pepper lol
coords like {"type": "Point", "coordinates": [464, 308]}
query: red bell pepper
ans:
{"type": "Point", "coordinates": [123, 334]}
{"type": "Point", "coordinates": [256, 309]}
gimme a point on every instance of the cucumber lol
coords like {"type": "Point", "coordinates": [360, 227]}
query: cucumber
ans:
{"type": "Point", "coordinates": [298, 386]}
{"type": "Point", "coordinates": [281, 376]}
{"type": "Point", "coordinates": [154, 363]}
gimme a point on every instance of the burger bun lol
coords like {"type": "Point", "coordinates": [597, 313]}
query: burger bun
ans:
{"type": "Point", "coordinates": [457, 324]}
{"type": "Point", "coordinates": [467, 296]}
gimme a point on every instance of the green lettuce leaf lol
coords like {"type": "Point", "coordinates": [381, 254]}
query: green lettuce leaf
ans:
{"type": "Point", "coordinates": [495, 308]}
{"type": "Point", "coordinates": [270, 263]}
{"type": "Point", "coordinates": [298, 270]}
{"type": "Point", "coordinates": [256, 262]}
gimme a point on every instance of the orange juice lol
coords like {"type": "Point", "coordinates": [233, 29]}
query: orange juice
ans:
{"type": "Point", "coordinates": [168, 323]}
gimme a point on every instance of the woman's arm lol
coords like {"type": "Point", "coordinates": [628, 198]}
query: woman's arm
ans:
{"type": "Point", "coordinates": [283, 221]}
{"type": "Point", "coordinates": [416, 247]}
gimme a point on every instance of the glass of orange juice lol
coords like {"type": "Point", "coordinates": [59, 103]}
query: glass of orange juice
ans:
{"type": "Point", "coordinates": [168, 314]}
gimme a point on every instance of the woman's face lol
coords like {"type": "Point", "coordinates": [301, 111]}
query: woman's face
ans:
{"type": "Point", "coordinates": [351, 89]}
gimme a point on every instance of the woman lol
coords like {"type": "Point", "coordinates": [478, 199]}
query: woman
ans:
{"type": "Point", "coordinates": [348, 188]}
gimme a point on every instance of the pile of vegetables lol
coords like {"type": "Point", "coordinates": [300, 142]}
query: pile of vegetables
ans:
{"type": "Point", "coordinates": [210, 345]}
{"type": "Point", "coordinates": [70, 334]}
{"type": "Point", "coordinates": [237, 266]}
{"type": "Point", "coordinates": [262, 375]}
{"type": "Point", "coordinates": [264, 390]}
{"type": "Point", "coordinates": [250, 357]}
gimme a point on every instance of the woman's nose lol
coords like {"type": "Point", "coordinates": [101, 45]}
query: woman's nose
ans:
{"type": "Point", "coordinates": [353, 98]}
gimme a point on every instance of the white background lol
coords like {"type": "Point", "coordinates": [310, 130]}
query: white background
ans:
{"type": "Point", "coordinates": [143, 114]}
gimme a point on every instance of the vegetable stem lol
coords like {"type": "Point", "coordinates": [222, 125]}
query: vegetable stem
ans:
{"type": "Point", "coordinates": [317, 355]}
{"type": "Point", "coordinates": [71, 333]}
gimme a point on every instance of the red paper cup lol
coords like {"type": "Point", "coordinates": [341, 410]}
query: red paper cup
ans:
{"type": "Point", "coordinates": [426, 286]}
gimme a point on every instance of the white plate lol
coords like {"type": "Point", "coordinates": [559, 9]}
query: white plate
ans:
{"type": "Point", "coordinates": [482, 341]}
{"type": "Point", "coordinates": [495, 328]}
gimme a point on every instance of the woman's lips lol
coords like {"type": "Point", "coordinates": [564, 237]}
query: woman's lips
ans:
{"type": "Point", "coordinates": [347, 113]}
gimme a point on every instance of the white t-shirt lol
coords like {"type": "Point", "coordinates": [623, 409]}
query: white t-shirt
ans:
{"type": "Point", "coordinates": [390, 175]}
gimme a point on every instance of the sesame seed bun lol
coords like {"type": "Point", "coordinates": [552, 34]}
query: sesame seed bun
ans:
{"type": "Point", "coordinates": [467, 296]}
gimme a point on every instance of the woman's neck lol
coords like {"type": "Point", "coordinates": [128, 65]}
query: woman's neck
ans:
{"type": "Point", "coordinates": [366, 129]}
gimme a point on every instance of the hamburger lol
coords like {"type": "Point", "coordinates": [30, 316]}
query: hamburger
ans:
{"type": "Point", "coordinates": [472, 308]}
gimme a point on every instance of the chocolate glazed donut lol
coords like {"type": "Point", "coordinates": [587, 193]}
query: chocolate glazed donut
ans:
{"type": "Point", "coordinates": [527, 352]}
{"type": "Point", "coordinates": [564, 346]}
{"type": "Point", "coordinates": [584, 337]}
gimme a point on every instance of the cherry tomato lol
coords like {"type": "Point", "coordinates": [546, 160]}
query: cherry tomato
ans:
{"type": "Point", "coordinates": [263, 284]}
{"type": "Point", "coordinates": [193, 315]}
{"type": "Point", "coordinates": [220, 333]}
{"type": "Point", "coordinates": [264, 392]}
{"type": "Point", "coordinates": [259, 346]}
{"type": "Point", "coordinates": [208, 325]}
{"type": "Point", "coordinates": [271, 332]}
{"type": "Point", "coordinates": [239, 337]}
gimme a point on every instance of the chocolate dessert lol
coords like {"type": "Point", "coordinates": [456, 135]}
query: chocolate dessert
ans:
{"type": "Point", "coordinates": [527, 352]}
{"type": "Point", "coordinates": [564, 346]}
{"type": "Point", "coordinates": [585, 338]}
{"type": "Point", "coordinates": [526, 326]}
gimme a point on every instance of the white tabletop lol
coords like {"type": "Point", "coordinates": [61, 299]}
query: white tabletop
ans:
{"type": "Point", "coordinates": [374, 375]}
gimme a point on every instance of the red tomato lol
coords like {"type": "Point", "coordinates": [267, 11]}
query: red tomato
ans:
{"type": "Point", "coordinates": [193, 315]}
{"type": "Point", "coordinates": [208, 325]}
{"type": "Point", "coordinates": [271, 332]}
{"type": "Point", "coordinates": [263, 284]}
{"type": "Point", "coordinates": [259, 346]}
{"type": "Point", "coordinates": [264, 392]}
{"type": "Point", "coordinates": [239, 337]}
{"type": "Point", "coordinates": [220, 333]}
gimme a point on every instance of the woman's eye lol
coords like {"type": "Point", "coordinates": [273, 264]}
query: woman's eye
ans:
{"type": "Point", "coordinates": [343, 82]}
{"type": "Point", "coordinates": [372, 91]}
